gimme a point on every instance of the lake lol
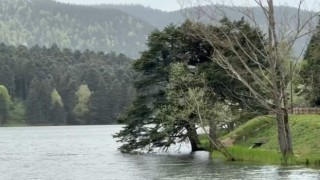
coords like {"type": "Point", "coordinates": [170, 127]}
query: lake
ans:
{"type": "Point", "coordinates": [90, 153]}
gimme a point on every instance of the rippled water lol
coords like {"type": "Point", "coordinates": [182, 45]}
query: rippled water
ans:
{"type": "Point", "coordinates": [90, 153]}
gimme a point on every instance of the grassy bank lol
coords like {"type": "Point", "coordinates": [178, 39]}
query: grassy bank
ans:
{"type": "Point", "coordinates": [305, 131]}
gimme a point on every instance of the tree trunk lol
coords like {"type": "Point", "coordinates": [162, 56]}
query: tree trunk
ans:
{"type": "Point", "coordinates": [193, 137]}
{"type": "Point", "coordinates": [284, 135]}
{"type": "Point", "coordinates": [279, 90]}
{"type": "Point", "coordinates": [213, 136]}
{"type": "Point", "coordinates": [230, 126]}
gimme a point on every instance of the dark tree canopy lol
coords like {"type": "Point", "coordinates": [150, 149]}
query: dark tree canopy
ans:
{"type": "Point", "coordinates": [311, 69]}
{"type": "Point", "coordinates": [32, 74]}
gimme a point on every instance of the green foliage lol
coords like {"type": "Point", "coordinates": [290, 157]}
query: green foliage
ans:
{"type": "Point", "coordinates": [81, 109]}
{"type": "Point", "coordinates": [5, 104]}
{"type": "Point", "coordinates": [38, 102]}
{"type": "Point", "coordinates": [4, 93]}
{"type": "Point", "coordinates": [56, 98]}
{"type": "Point", "coordinates": [143, 129]}
{"type": "Point", "coordinates": [17, 114]}
{"type": "Point", "coordinates": [32, 74]}
{"type": "Point", "coordinates": [101, 107]}
{"type": "Point", "coordinates": [311, 69]}
{"type": "Point", "coordinates": [170, 97]}
{"type": "Point", "coordinates": [57, 113]}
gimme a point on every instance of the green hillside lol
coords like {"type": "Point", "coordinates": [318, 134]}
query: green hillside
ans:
{"type": "Point", "coordinates": [45, 22]}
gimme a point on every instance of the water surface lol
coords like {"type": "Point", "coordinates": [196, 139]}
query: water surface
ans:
{"type": "Point", "coordinates": [90, 153]}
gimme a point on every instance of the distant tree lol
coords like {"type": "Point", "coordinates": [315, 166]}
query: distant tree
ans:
{"type": "Point", "coordinates": [92, 77]}
{"type": "Point", "coordinates": [18, 112]}
{"type": "Point", "coordinates": [101, 106]}
{"type": "Point", "coordinates": [33, 103]}
{"type": "Point", "coordinates": [81, 110]}
{"type": "Point", "coordinates": [38, 102]}
{"type": "Point", "coordinates": [57, 113]}
{"type": "Point", "coordinates": [5, 104]}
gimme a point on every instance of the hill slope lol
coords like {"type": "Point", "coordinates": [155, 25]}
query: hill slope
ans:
{"type": "Point", "coordinates": [161, 19]}
{"type": "Point", "coordinates": [45, 22]}
{"type": "Point", "coordinates": [304, 128]}
{"type": "Point", "coordinates": [120, 28]}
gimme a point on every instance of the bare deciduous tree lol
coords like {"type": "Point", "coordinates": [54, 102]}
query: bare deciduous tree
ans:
{"type": "Point", "coordinates": [270, 74]}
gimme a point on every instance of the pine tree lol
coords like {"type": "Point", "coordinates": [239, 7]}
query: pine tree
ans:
{"type": "Point", "coordinates": [101, 107]}
{"type": "Point", "coordinates": [311, 68]}
{"type": "Point", "coordinates": [145, 126]}
{"type": "Point", "coordinates": [38, 102]}
{"type": "Point", "coordinates": [143, 129]}
{"type": "Point", "coordinates": [33, 105]}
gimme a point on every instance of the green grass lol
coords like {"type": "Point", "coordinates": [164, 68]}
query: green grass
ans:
{"type": "Point", "coordinates": [204, 141]}
{"type": "Point", "coordinates": [255, 155]}
{"type": "Point", "coordinates": [14, 124]}
{"type": "Point", "coordinates": [305, 130]}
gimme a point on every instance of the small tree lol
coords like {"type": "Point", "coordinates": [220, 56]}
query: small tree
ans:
{"type": "Point", "coordinates": [190, 99]}
{"type": "Point", "coordinates": [58, 115]}
{"type": "Point", "coordinates": [18, 112]}
{"type": "Point", "coordinates": [5, 104]}
{"type": "Point", "coordinates": [81, 110]}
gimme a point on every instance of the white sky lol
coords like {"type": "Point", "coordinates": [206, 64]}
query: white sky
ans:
{"type": "Point", "coordinates": [170, 5]}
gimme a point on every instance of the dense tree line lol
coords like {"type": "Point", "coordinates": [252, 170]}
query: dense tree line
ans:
{"type": "Point", "coordinates": [54, 86]}
{"type": "Point", "coordinates": [45, 22]}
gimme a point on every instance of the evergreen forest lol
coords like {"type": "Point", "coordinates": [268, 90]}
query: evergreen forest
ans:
{"type": "Point", "coordinates": [43, 86]}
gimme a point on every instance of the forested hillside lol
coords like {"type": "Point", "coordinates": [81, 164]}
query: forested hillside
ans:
{"type": "Point", "coordinates": [155, 17]}
{"type": "Point", "coordinates": [44, 22]}
{"type": "Point", "coordinates": [161, 19]}
{"type": "Point", "coordinates": [54, 86]}
{"type": "Point", "coordinates": [119, 28]}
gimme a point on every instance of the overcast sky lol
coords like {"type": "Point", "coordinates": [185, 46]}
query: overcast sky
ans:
{"type": "Point", "coordinates": [170, 5]}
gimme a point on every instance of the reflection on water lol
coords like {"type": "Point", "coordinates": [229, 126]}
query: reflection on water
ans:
{"type": "Point", "coordinates": [89, 152]}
